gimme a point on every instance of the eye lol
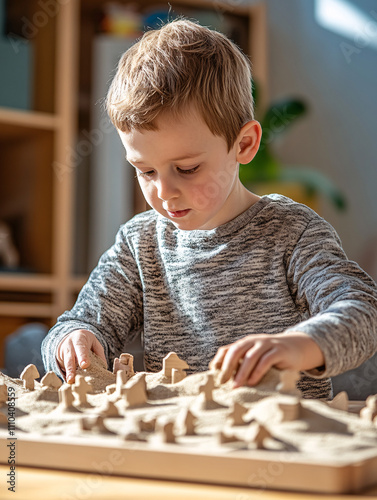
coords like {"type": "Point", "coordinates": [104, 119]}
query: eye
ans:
{"type": "Point", "coordinates": [189, 171]}
{"type": "Point", "coordinates": [139, 173]}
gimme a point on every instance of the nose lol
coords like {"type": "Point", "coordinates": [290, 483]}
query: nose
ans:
{"type": "Point", "coordinates": [166, 188]}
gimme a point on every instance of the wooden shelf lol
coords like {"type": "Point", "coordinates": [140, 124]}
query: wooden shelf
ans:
{"type": "Point", "coordinates": [17, 124]}
{"type": "Point", "coordinates": [27, 282]}
{"type": "Point", "coordinates": [26, 309]}
{"type": "Point", "coordinates": [29, 119]}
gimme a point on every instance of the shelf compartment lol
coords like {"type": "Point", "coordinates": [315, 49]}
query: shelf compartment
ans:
{"type": "Point", "coordinates": [15, 124]}
{"type": "Point", "coordinates": [26, 177]}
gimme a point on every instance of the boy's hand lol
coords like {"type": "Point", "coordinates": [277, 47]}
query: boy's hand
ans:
{"type": "Point", "coordinates": [251, 357]}
{"type": "Point", "coordinates": [74, 350]}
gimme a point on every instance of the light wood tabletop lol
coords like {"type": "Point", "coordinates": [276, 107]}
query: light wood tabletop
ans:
{"type": "Point", "coordinates": [43, 484]}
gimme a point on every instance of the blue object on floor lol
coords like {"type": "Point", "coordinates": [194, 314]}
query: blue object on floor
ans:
{"type": "Point", "coordinates": [23, 347]}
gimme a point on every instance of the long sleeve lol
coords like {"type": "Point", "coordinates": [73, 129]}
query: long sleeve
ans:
{"type": "Point", "coordinates": [340, 297]}
{"type": "Point", "coordinates": [109, 305]}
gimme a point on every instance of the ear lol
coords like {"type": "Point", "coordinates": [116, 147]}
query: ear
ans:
{"type": "Point", "coordinates": [248, 141]}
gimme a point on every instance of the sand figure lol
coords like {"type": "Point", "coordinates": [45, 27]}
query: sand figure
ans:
{"type": "Point", "coordinates": [110, 389]}
{"type": "Point", "coordinates": [80, 389]}
{"type": "Point", "coordinates": [3, 393]}
{"type": "Point", "coordinates": [117, 389]}
{"type": "Point", "coordinates": [205, 399]}
{"type": "Point", "coordinates": [51, 381]}
{"type": "Point", "coordinates": [28, 375]}
{"type": "Point", "coordinates": [189, 423]}
{"type": "Point", "coordinates": [173, 362]}
{"type": "Point", "coordinates": [229, 438]}
{"type": "Point", "coordinates": [134, 436]}
{"type": "Point", "coordinates": [120, 384]}
{"type": "Point", "coordinates": [66, 399]}
{"type": "Point", "coordinates": [147, 425]}
{"type": "Point", "coordinates": [207, 388]}
{"type": "Point", "coordinates": [289, 410]}
{"type": "Point", "coordinates": [260, 435]}
{"type": "Point", "coordinates": [135, 392]}
{"type": "Point", "coordinates": [166, 430]}
{"type": "Point", "coordinates": [109, 410]}
{"type": "Point", "coordinates": [235, 417]}
{"type": "Point", "coordinates": [125, 363]}
{"type": "Point", "coordinates": [288, 379]}
{"type": "Point", "coordinates": [340, 401]}
{"type": "Point", "coordinates": [95, 424]}
{"type": "Point", "coordinates": [369, 412]}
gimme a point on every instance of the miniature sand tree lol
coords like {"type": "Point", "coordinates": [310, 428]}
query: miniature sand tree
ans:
{"type": "Point", "coordinates": [51, 381]}
{"type": "Point", "coordinates": [28, 375]}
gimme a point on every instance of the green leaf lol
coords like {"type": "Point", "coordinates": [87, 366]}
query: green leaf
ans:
{"type": "Point", "coordinates": [263, 168]}
{"type": "Point", "coordinates": [280, 116]}
{"type": "Point", "coordinates": [315, 183]}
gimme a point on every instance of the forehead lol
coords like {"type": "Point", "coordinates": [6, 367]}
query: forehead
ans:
{"type": "Point", "coordinates": [182, 136]}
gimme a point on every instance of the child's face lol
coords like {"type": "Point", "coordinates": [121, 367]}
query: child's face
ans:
{"type": "Point", "coordinates": [185, 172]}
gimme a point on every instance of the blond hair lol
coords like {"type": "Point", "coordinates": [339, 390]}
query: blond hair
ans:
{"type": "Point", "coordinates": [182, 64]}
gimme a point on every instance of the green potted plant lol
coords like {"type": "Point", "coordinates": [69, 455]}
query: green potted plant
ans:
{"type": "Point", "coordinates": [265, 173]}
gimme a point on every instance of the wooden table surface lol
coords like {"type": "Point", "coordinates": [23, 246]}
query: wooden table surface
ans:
{"type": "Point", "coordinates": [43, 484]}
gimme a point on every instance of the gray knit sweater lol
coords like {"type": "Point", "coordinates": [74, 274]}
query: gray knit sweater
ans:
{"type": "Point", "coordinates": [275, 267]}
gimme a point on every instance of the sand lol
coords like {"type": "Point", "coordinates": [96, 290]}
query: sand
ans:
{"type": "Point", "coordinates": [320, 433]}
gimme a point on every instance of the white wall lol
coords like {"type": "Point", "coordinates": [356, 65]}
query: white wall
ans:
{"type": "Point", "coordinates": [338, 137]}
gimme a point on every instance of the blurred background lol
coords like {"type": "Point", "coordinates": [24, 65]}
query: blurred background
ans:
{"type": "Point", "coordinates": [65, 187]}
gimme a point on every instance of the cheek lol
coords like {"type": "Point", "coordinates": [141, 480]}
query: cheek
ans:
{"type": "Point", "coordinates": [147, 189]}
{"type": "Point", "coordinates": [206, 195]}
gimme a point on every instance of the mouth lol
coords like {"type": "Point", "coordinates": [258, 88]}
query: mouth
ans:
{"type": "Point", "coordinates": [177, 213]}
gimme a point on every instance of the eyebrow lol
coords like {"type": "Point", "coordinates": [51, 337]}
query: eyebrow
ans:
{"type": "Point", "coordinates": [184, 157]}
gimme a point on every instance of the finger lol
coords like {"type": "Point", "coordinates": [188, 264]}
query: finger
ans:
{"type": "Point", "coordinates": [250, 360]}
{"type": "Point", "coordinates": [69, 360]}
{"type": "Point", "coordinates": [217, 361]}
{"type": "Point", "coordinates": [98, 349]}
{"type": "Point", "coordinates": [82, 349]}
{"type": "Point", "coordinates": [266, 361]}
{"type": "Point", "coordinates": [232, 358]}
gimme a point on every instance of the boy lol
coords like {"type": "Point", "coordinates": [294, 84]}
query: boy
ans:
{"type": "Point", "coordinates": [212, 271]}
